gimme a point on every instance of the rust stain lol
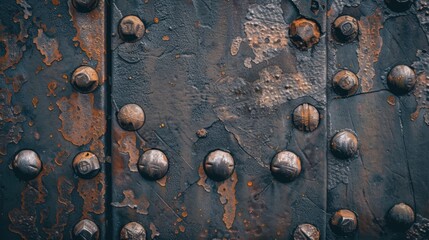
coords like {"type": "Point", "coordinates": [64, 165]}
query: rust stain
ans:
{"type": "Point", "coordinates": [81, 122]}
{"type": "Point", "coordinates": [370, 43]}
{"type": "Point", "coordinates": [154, 231]}
{"type": "Point", "coordinates": [391, 100]}
{"type": "Point", "coordinates": [61, 157]}
{"type": "Point", "coordinates": [16, 81]}
{"type": "Point", "coordinates": [97, 147]}
{"type": "Point", "coordinates": [141, 204]}
{"type": "Point", "coordinates": [421, 92]}
{"type": "Point", "coordinates": [92, 192]}
{"type": "Point", "coordinates": [64, 208]}
{"type": "Point", "coordinates": [23, 25]}
{"type": "Point", "coordinates": [35, 101]}
{"type": "Point", "coordinates": [42, 192]}
{"type": "Point", "coordinates": [127, 144]}
{"type": "Point", "coordinates": [182, 228]}
{"type": "Point", "coordinates": [56, 2]}
{"type": "Point", "coordinates": [52, 86]}
{"type": "Point", "coordinates": [13, 51]}
{"type": "Point", "coordinates": [203, 179]}
{"type": "Point", "coordinates": [10, 121]}
{"type": "Point", "coordinates": [235, 45]}
{"type": "Point", "coordinates": [226, 190]}
{"type": "Point", "coordinates": [162, 182]}
{"type": "Point", "coordinates": [90, 34]}
{"type": "Point", "coordinates": [48, 47]}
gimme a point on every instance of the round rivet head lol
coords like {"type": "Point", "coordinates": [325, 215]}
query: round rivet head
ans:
{"type": "Point", "coordinates": [306, 117]}
{"type": "Point", "coordinates": [85, 79]}
{"type": "Point", "coordinates": [85, 230]}
{"type": "Point", "coordinates": [131, 28]}
{"type": "Point", "coordinates": [285, 166]}
{"type": "Point", "coordinates": [344, 221]}
{"type": "Point", "coordinates": [401, 216]}
{"type": "Point", "coordinates": [133, 231]}
{"type": "Point", "coordinates": [401, 79]}
{"type": "Point", "coordinates": [86, 165]}
{"type": "Point", "coordinates": [399, 5]}
{"type": "Point", "coordinates": [345, 29]}
{"type": "Point", "coordinates": [153, 164]}
{"type": "Point", "coordinates": [85, 5]}
{"type": "Point", "coordinates": [345, 83]}
{"type": "Point", "coordinates": [304, 33]}
{"type": "Point", "coordinates": [219, 165]}
{"type": "Point", "coordinates": [306, 232]}
{"type": "Point", "coordinates": [27, 164]}
{"type": "Point", "coordinates": [344, 144]}
{"type": "Point", "coordinates": [131, 117]}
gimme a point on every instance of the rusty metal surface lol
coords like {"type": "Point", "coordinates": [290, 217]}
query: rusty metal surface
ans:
{"type": "Point", "coordinates": [41, 44]}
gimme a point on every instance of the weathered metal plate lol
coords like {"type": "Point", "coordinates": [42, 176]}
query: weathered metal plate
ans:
{"type": "Point", "coordinates": [201, 67]}
{"type": "Point", "coordinates": [41, 44]}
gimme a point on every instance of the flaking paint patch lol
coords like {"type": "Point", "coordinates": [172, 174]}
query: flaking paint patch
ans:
{"type": "Point", "coordinates": [370, 43]}
{"type": "Point", "coordinates": [235, 45]}
{"type": "Point", "coordinates": [26, 8]}
{"type": "Point", "coordinates": [48, 47]}
{"type": "Point", "coordinates": [422, 12]}
{"type": "Point", "coordinates": [140, 204]}
{"type": "Point", "coordinates": [127, 144]}
{"type": "Point", "coordinates": [81, 122]}
{"type": "Point", "coordinates": [203, 179]}
{"type": "Point", "coordinates": [10, 121]}
{"type": "Point", "coordinates": [421, 89]}
{"type": "Point", "coordinates": [226, 190]}
{"type": "Point", "coordinates": [154, 231]}
{"type": "Point", "coordinates": [93, 193]}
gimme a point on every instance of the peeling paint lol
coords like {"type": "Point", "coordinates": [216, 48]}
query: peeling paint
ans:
{"type": "Point", "coordinates": [140, 204]}
{"type": "Point", "coordinates": [421, 89]}
{"type": "Point", "coordinates": [154, 231]}
{"type": "Point", "coordinates": [127, 144]}
{"type": "Point", "coordinates": [203, 179]}
{"type": "Point", "coordinates": [10, 121]}
{"type": "Point", "coordinates": [235, 45]}
{"type": "Point", "coordinates": [48, 47]}
{"type": "Point", "coordinates": [93, 192]}
{"type": "Point", "coordinates": [226, 190]}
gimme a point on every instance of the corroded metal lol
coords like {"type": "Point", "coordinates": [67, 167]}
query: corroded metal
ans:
{"type": "Point", "coordinates": [345, 83]}
{"type": "Point", "coordinates": [85, 230]}
{"type": "Point", "coordinates": [401, 79]}
{"type": "Point", "coordinates": [345, 29]}
{"type": "Point", "coordinates": [344, 221]}
{"type": "Point", "coordinates": [131, 117]}
{"type": "Point", "coordinates": [27, 164]}
{"type": "Point", "coordinates": [344, 144]}
{"type": "Point", "coordinates": [153, 164]}
{"type": "Point", "coordinates": [306, 232]}
{"type": "Point", "coordinates": [304, 33]}
{"type": "Point", "coordinates": [86, 165]}
{"type": "Point", "coordinates": [131, 28]}
{"type": "Point", "coordinates": [401, 216]}
{"type": "Point", "coordinates": [306, 117]}
{"type": "Point", "coordinates": [85, 79]}
{"type": "Point", "coordinates": [285, 166]}
{"type": "Point", "coordinates": [133, 231]}
{"type": "Point", "coordinates": [219, 165]}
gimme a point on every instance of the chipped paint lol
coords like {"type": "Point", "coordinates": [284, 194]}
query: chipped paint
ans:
{"type": "Point", "coordinates": [154, 231]}
{"type": "Point", "coordinates": [370, 43]}
{"type": "Point", "coordinates": [140, 204]}
{"type": "Point", "coordinates": [81, 122]}
{"type": "Point", "coordinates": [391, 100]}
{"type": "Point", "coordinates": [93, 192]}
{"type": "Point", "coordinates": [48, 47]}
{"type": "Point", "coordinates": [203, 179]}
{"type": "Point", "coordinates": [226, 190]}
{"type": "Point", "coordinates": [235, 45]}
{"type": "Point", "coordinates": [127, 145]}
{"type": "Point", "coordinates": [90, 35]}
{"type": "Point", "coordinates": [61, 157]}
{"type": "Point", "coordinates": [162, 182]}
{"type": "Point", "coordinates": [10, 121]}
{"type": "Point", "coordinates": [421, 89]}
{"type": "Point", "coordinates": [13, 51]}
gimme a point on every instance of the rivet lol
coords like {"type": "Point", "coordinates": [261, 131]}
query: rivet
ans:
{"type": "Point", "coordinates": [85, 79]}
{"type": "Point", "coordinates": [401, 79]}
{"type": "Point", "coordinates": [86, 165]}
{"type": "Point", "coordinates": [85, 230]}
{"type": "Point", "coordinates": [131, 117]}
{"type": "Point", "coordinates": [344, 144]}
{"type": "Point", "coordinates": [306, 232]}
{"type": "Point", "coordinates": [399, 5]}
{"type": "Point", "coordinates": [345, 83]}
{"type": "Point", "coordinates": [153, 164]}
{"type": "Point", "coordinates": [219, 165]}
{"type": "Point", "coordinates": [345, 29]}
{"type": "Point", "coordinates": [85, 5]}
{"type": "Point", "coordinates": [133, 231]}
{"type": "Point", "coordinates": [285, 166]}
{"type": "Point", "coordinates": [27, 164]}
{"type": "Point", "coordinates": [304, 33]}
{"type": "Point", "coordinates": [401, 216]}
{"type": "Point", "coordinates": [306, 117]}
{"type": "Point", "coordinates": [344, 221]}
{"type": "Point", "coordinates": [131, 28]}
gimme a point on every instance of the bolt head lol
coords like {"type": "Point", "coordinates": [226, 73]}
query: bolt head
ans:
{"type": "Point", "coordinates": [345, 83]}
{"type": "Point", "coordinates": [401, 79]}
{"type": "Point", "coordinates": [344, 144]}
{"type": "Point", "coordinates": [27, 164]}
{"type": "Point", "coordinates": [304, 33]}
{"type": "Point", "coordinates": [306, 117]}
{"type": "Point", "coordinates": [345, 29]}
{"type": "Point", "coordinates": [285, 166]}
{"type": "Point", "coordinates": [131, 117]}
{"type": "Point", "coordinates": [85, 5]}
{"type": "Point", "coordinates": [133, 231]}
{"type": "Point", "coordinates": [85, 230]}
{"type": "Point", "coordinates": [219, 165]}
{"type": "Point", "coordinates": [306, 232]}
{"type": "Point", "coordinates": [401, 216]}
{"type": "Point", "coordinates": [131, 28]}
{"type": "Point", "coordinates": [153, 164]}
{"type": "Point", "coordinates": [344, 221]}
{"type": "Point", "coordinates": [86, 165]}
{"type": "Point", "coordinates": [399, 5]}
{"type": "Point", "coordinates": [85, 79]}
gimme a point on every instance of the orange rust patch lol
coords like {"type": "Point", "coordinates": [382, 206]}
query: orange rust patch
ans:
{"type": "Point", "coordinates": [13, 51]}
{"type": "Point", "coordinates": [35, 101]}
{"type": "Point", "coordinates": [97, 147]}
{"type": "Point", "coordinates": [48, 47]}
{"type": "Point", "coordinates": [64, 208]}
{"type": "Point", "coordinates": [127, 144]}
{"type": "Point", "coordinates": [81, 122]}
{"type": "Point", "coordinates": [52, 86]}
{"type": "Point", "coordinates": [182, 228]}
{"type": "Point", "coordinates": [92, 192]}
{"type": "Point", "coordinates": [156, 20]}
{"type": "Point", "coordinates": [16, 82]}
{"type": "Point", "coordinates": [203, 179]}
{"type": "Point", "coordinates": [391, 100]}
{"type": "Point", "coordinates": [154, 231]}
{"type": "Point", "coordinates": [421, 95]}
{"type": "Point", "coordinates": [56, 2]}
{"type": "Point", "coordinates": [61, 157]}
{"type": "Point", "coordinates": [249, 183]}
{"type": "Point", "coordinates": [370, 43]}
{"type": "Point", "coordinates": [141, 204]}
{"type": "Point", "coordinates": [162, 182]}
{"type": "Point", "coordinates": [10, 121]}
{"type": "Point", "coordinates": [226, 190]}
{"type": "Point", "coordinates": [165, 38]}
{"type": "Point", "coordinates": [90, 34]}
{"type": "Point", "coordinates": [42, 192]}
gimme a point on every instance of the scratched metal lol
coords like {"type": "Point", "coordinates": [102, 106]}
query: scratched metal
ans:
{"type": "Point", "coordinates": [41, 43]}
{"type": "Point", "coordinates": [218, 75]}
{"type": "Point", "coordinates": [391, 165]}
